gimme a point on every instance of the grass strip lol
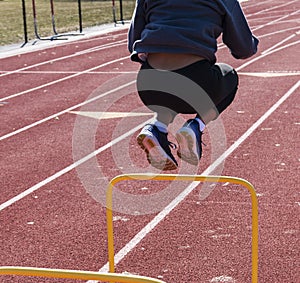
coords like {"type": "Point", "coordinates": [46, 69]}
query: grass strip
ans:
{"type": "Point", "coordinates": [94, 12]}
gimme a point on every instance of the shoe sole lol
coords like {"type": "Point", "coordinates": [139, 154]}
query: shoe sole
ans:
{"type": "Point", "coordinates": [187, 147]}
{"type": "Point", "coordinates": [156, 156]}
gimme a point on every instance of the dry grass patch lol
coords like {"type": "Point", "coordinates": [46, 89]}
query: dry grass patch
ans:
{"type": "Point", "coordinates": [94, 12]}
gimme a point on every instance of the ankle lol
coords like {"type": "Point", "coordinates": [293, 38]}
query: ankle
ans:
{"type": "Point", "coordinates": [160, 125]}
{"type": "Point", "coordinates": [201, 124]}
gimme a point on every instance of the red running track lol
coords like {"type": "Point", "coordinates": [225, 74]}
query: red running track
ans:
{"type": "Point", "coordinates": [65, 132]}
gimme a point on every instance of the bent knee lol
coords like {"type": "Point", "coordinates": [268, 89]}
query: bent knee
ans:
{"type": "Point", "coordinates": [226, 69]}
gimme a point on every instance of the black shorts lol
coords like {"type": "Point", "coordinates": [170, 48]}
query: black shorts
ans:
{"type": "Point", "coordinates": [193, 89]}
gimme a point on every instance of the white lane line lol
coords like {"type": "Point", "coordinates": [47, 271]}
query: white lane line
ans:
{"type": "Point", "coordinates": [63, 79]}
{"type": "Point", "coordinates": [71, 167]}
{"type": "Point", "coordinates": [266, 54]}
{"type": "Point", "coordinates": [275, 21]}
{"type": "Point", "coordinates": [110, 115]}
{"type": "Point", "coordinates": [254, 4]}
{"type": "Point", "coordinates": [105, 46]}
{"type": "Point", "coordinates": [221, 45]}
{"type": "Point", "coordinates": [124, 251]}
{"type": "Point", "coordinates": [88, 71]}
{"type": "Point", "coordinates": [271, 8]}
{"type": "Point", "coordinates": [65, 111]}
{"type": "Point", "coordinates": [150, 226]}
{"type": "Point", "coordinates": [282, 47]}
{"type": "Point", "coordinates": [160, 216]}
{"type": "Point", "coordinates": [101, 47]}
{"type": "Point", "coordinates": [44, 46]}
{"type": "Point", "coordinates": [271, 74]}
{"type": "Point", "coordinates": [278, 43]}
{"type": "Point", "coordinates": [76, 72]}
{"type": "Point", "coordinates": [279, 31]}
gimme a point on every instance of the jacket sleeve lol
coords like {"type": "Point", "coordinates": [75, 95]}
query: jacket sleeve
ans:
{"type": "Point", "coordinates": [237, 34]}
{"type": "Point", "coordinates": [137, 24]}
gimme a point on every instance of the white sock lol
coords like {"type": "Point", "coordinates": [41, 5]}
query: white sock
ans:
{"type": "Point", "coordinates": [161, 126]}
{"type": "Point", "coordinates": [201, 124]}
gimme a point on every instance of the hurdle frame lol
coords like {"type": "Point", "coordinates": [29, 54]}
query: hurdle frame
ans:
{"type": "Point", "coordinates": [114, 12]}
{"type": "Point", "coordinates": [75, 274]}
{"type": "Point", "coordinates": [56, 33]}
{"type": "Point", "coordinates": [56, 36]}
{"type": "Point", "coordinates": [181, 177]}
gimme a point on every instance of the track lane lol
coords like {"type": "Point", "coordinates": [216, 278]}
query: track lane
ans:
{"type": "Point", "coordinates": [238, 116]}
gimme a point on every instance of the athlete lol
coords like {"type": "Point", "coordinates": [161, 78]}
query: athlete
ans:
{"type": "Point", "coordinates": [176, 43]}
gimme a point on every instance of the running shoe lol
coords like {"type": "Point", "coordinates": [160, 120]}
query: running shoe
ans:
{"type": "Point", "coordinates": [157, 147]}
{"type": "Point", "coordinates": [189, 139]}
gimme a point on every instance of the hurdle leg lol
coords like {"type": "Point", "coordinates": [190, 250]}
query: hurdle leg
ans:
{"type": "Point", "coordinates": [24, 23]}
{"type": "Point", "coordinates": [53, 17]}
{"type": "Point", "coordinates": [121, 12]}
{"type": "Point", "coordinates": [35, 25]}
{"type": "Point", "coordinates": [114, 12]}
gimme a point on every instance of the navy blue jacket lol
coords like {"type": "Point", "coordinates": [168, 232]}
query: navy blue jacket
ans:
{"type": "Point", "coordinates": [190, 26]}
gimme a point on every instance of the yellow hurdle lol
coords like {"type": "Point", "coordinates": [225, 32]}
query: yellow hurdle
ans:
{"type": "Point", "coordinates": [75, 274]}
{"type": "Point", "coordinates": [117, 277]}
{"type": "Point", "coordinates": [171, 177]}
